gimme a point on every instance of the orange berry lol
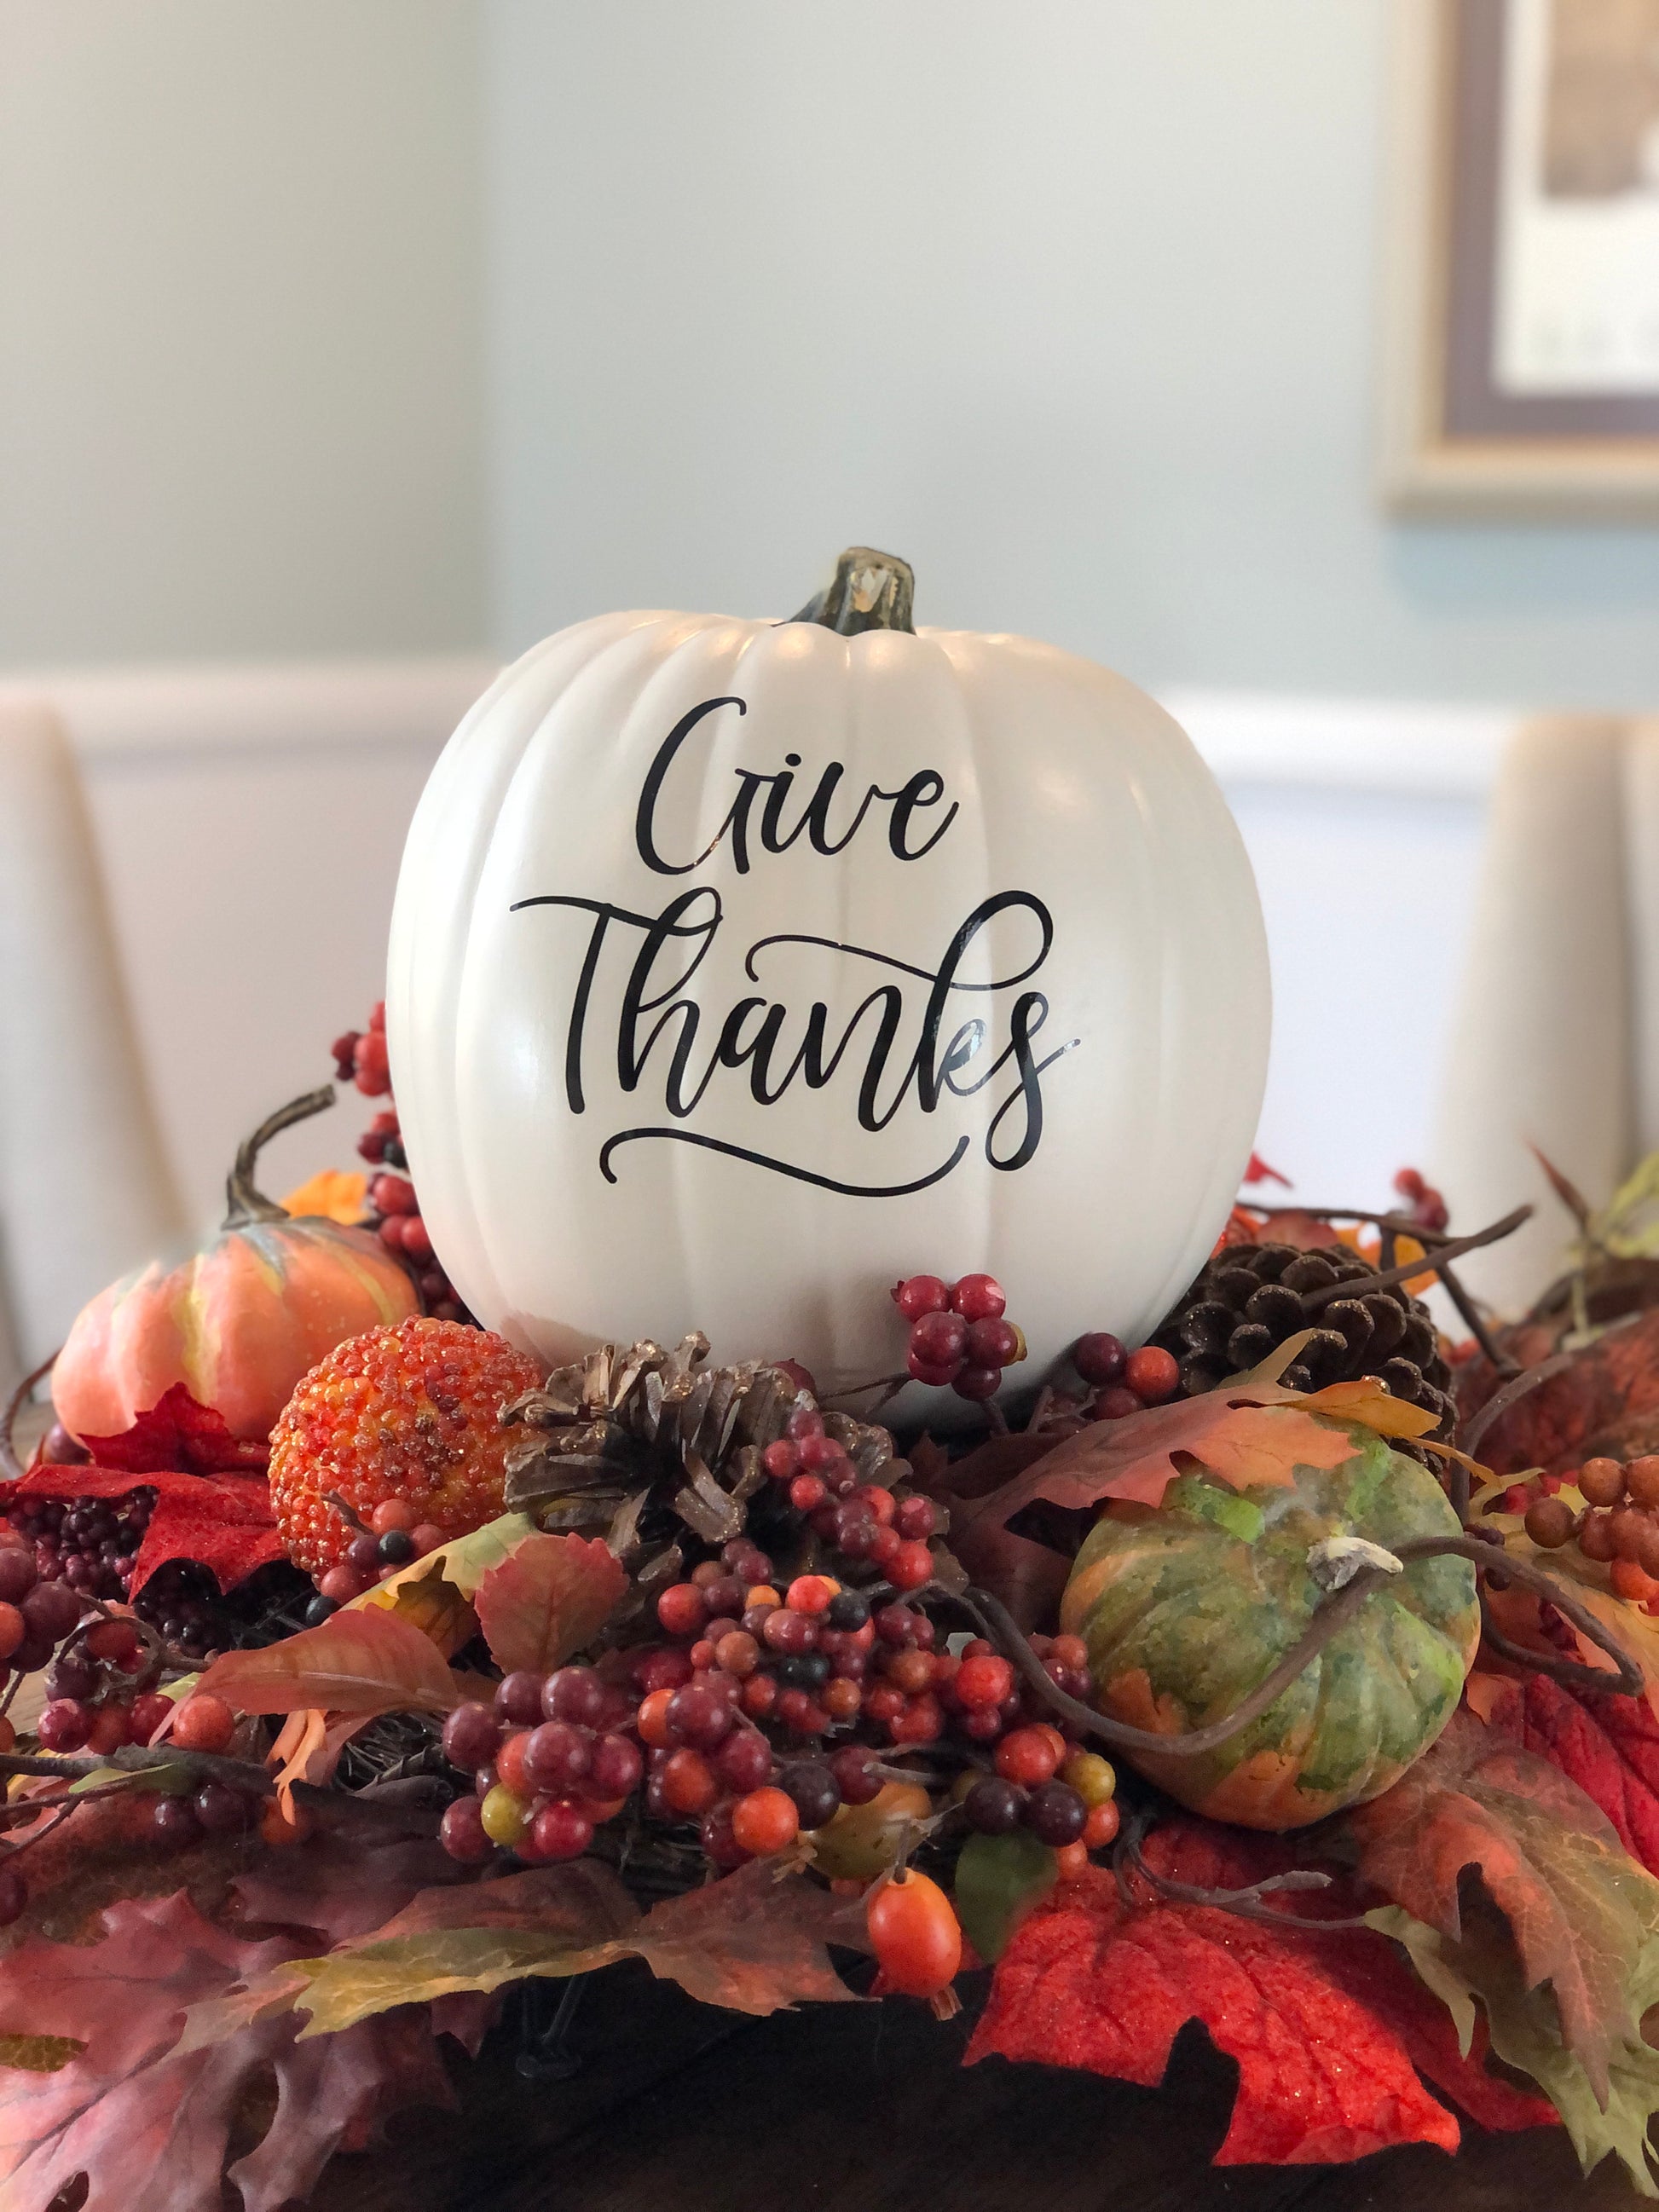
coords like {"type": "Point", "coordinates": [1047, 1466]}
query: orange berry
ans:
{"type": "Point", "coordinates": [1632, 1581]}
{"type": "Point", "coordinates": [276, 1827]}
{"type": "Point", "coordinates": [653, 1722]}
{"type": "Point", "coordinates": [202, 1722]}
{"type": "Point", "coordinates": [510, 1765]}
{"type": "Point", "coordinates": [11, 1630]}
{"type": "Point", "coordinates": [914, 1934]}
{"type": "Point", "coordinates": [1101, 1825]}
{"type": "Point", "coordinates": [1601, 1480]}
{"type": "Point", "coordinates": [1071, 1860]}
{"type": "Point", "coordinates": [689, 1783]}
{"type": "Point", "coordinates": [411, 1413]}
{"type": "Point", "coordinates": [765, 1821]}
{"type": "Point", "coordinates": [392, 1513]}
{"type": "Point", "coordinates": [911, 1671]}
{"type": "Point", "coordinates": [737, 1653]}
{"type": "Point", "coordinates": [810, 1594]}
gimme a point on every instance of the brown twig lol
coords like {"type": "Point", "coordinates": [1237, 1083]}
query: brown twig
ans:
{"type": "Point", "coordinates": [1247, 1903]}
{"type": "Point", "coordinates": [243, 1774]}
{"type": "Point", "coordinates": [1433, 1260]}
{"type": "Point", "coordinates": [1474, 1321]}
{"type": "Point", "coordinates": [11, 1467]}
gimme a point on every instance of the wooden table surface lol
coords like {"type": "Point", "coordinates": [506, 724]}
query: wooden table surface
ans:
{"type": "Point", "coordinates": [866, 2108]}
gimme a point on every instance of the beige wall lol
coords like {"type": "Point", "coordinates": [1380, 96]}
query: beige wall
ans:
{"type": "Point", "coordinates": [241, 343]}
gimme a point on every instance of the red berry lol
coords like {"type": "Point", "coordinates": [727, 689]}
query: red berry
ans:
{"type": "Point", "coordinates": [371, 1068]}
{"type": "Point", "coordinates": [560, 1830]}
{"type": "Point", "coordinates": [804, 1421]}
{"type": "Point", "coordinates": [915, 1517]}
{"type": "Point", "coordinates": [392, 1194]}
{"type": "Point", "coordinates": [50, 1610]}
{"type": "Point", "coordinates": [518, 1697]}
{"type": "Point", "coordinates": [663, 1670]}
{"type": "Point", "coordinates": [1028, 1756]}
{"type": "Point", "coordinates": [976, 1383]}
{"type": "Point", "coordinates": [743, 1761]}
{"type": "Point", "coordinates": [882, 1547]}
{"type": "Point", "coordinates": [983, 1681]}
{"type": "Point", "coordinates": [462, 1832]}
{"type": "Point", "coordinates": [994, 1344]}
{"type": "Point", "coordinates": [1099, 1358]}
{"type": "Point", "coordinates": [979, 1297]}
{"type": "Point", "coordinates": [557, 1755]}
{"type": "Point", "coordinates": [938, 1339]}
{"type": "Point", "coordinates": [1116, 1404]}
{"type": "Point", "coordinates": [910, 1566]}
{"type": "Point", "coordinates": [921, 1294]}
{"type": "Point", "coordinates": [790, 1633]}
{"type": "Point", "coordinates": [781, 1459]}
{"type": "Point", "coordinates": [1152, 1374]}
{"type": "Point", "coordinates": [810, 1593]}
{"type": "Point", "coordinates": [682, 1611]}
{"type": "Point", "coordinates": [851, 1768]}
{"type": "Point", "coordinates": [471, 1737]}
{"type": "Point", "coordinates": [923, 1371]}
{"type": "Point", "coordinates": [341, 1052]}
{"type": "Point", "coordinates": [203, 1723]}
{"type": "Point", "coordinates": [803, 1713]}
{"type": "Point", "coordinates": [18, 1575]}
{"type": "Point", "coordinates": [223, 1811]}
{"type": "Point", "coordinates": [807, 1493]}
{"type": "Point", "coordinates": [65, 1725]}
{"type": "Point", "coordinates": [147, 1714]}
{"type": "Point", "coordinates": [720, 1846]}
{"type": "Point", "coordinates": [172, 1821]}
{"type": "Point", "coordinates": [899, 1624]}
{"type": "Point", "coordinates": [615, 1767]}
{"type": "Point", "coordinates": [575, 1693]}
{"type": "Point", "coordinates": [702, 1717]}
{"type": "Point", "coordinates": [417, 1240]}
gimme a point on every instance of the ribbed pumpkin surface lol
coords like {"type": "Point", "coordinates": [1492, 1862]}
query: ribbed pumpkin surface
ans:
{"type": "Point", "coordinates": [1187, 1609]}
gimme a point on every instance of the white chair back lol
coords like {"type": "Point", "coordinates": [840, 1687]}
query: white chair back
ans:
{"type": "Point", "coordinates": [85, 1189]}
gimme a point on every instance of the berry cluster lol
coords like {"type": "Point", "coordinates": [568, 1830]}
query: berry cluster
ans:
{"type": "Point", "coordinates": [1124, 1381]}
{"type": "Point", "coordinates": [88, 1542]}
{"type": "Point", "coordinates": [388, 1542]}
{"type": "Point", "coordinates": [958, 1336]}
{"type": "Point", "coordinates": [360, 1057]}
{"type": "Point", "coordinates": [1619, 1528]}
{"type": "Point", "coordinates": [1065, 1797]}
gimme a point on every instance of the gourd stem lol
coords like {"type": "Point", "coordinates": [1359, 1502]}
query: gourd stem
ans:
{"type": "Point", "coordinates": [246, 1202]}
{"type": "Point", "coordinates": [868, 591]}
{"type": "Point", "coordinates": [1328, 1620]}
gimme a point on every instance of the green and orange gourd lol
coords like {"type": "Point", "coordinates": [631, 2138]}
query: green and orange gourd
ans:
{"type": "Point", "coordinates": [1187, 1608]}
{"type": "Point", "coordinates": [238, 1322]}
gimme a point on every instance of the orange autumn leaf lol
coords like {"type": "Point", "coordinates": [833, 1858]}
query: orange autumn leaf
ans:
{"type": "Point", "coordinates": [357, 1662]}
{"type": "Point", "coordinates": [1368, 1400]}
{"type": "Point", "coordinates": [331, 1194]}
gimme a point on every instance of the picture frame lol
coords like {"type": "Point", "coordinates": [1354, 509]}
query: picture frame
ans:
{"type": "Point", "coordinates": [1522, 263]}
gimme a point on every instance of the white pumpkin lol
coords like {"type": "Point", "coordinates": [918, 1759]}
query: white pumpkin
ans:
{"type": "Point", "coordinates": [740, 968]}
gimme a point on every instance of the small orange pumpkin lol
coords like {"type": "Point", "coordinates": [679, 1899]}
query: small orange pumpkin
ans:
{"type": "Point", "coordinates": [239, 1322]}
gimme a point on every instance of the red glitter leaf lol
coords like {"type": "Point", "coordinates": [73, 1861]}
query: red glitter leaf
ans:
{"type": "Point", "coordinates": [177, 1432]}
{"type": "Point", "coordinates": [1329, 2030]}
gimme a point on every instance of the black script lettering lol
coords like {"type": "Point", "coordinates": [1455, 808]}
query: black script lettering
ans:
{"type": "Point", "coordinates": [924, 789]}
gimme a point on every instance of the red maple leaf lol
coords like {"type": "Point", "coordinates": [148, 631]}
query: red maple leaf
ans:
{"type": "Point", "coordinates": [224, 1521]}
{"type": "Point", "coordinates": [1329, 2030]}
{"type": "Point", "coordinates": [146, 2113]}
{"type": "Point", "coordinates": [1608, 1746]}
{"type": "Point", "coordinates": [1550, 1861]}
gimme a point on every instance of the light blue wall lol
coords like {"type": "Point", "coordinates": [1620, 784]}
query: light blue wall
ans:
{"type": "Point", "coordinates": [240, 328]}
{"type": "Point", "coordinates": [1073, 302]}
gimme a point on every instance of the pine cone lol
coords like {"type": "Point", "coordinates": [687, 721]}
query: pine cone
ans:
{"type": "Point", "coordinates": [624, 1431]}
{"type": "Point", "coordinates": [1249, 1299]}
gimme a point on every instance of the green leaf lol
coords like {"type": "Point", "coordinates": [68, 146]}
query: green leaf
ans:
{"type": "Point", "coordinates": [1524, 2025]}
{"type": "Point", "coordinates": [999, 1880]}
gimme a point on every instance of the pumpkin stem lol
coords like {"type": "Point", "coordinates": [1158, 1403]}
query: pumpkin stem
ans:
{"type": "Point", "coordinates": [245, 1200]}
{"type": "Point", "coordinates": [868, 591]}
